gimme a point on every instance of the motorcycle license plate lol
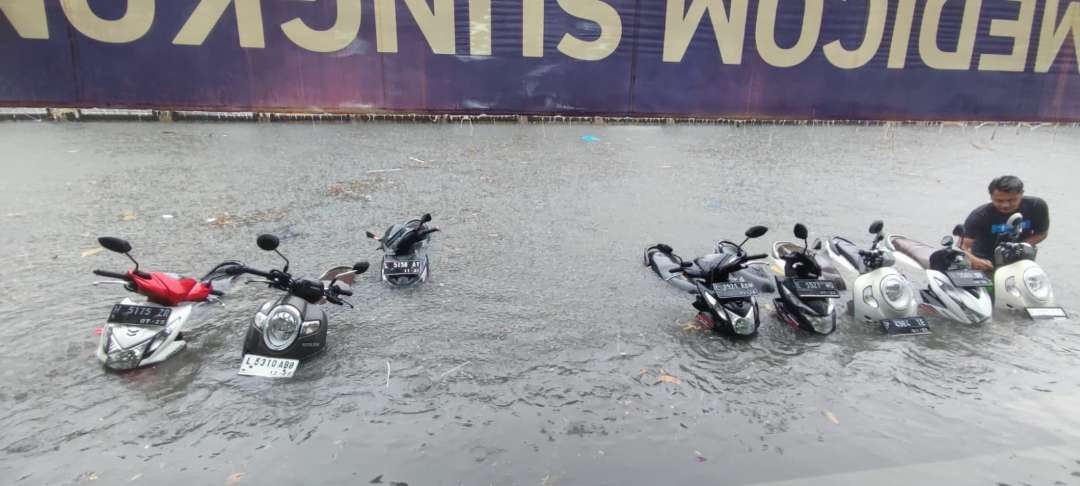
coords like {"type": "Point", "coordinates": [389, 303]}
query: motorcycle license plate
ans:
{"type": "Point", "coordinates": [255, 365]}
{"type": "Point", "coordinates": [1047, 313]}
{"type": "Point", "coordinates": [906, 326]}
{"type": "Point", "coordinates": [969, 278]}
{"type": "Point", "coordinates": [139, 315]}
{"type": "Point", "coordinates": [809, 288]}
{"type": "Point", "coordinates": [734, 290]}
{"type": "Point", "coordinates": [402, 268]}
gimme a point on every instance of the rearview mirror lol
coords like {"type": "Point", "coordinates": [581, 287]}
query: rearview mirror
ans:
{"type": "Point", "coordinates": [361, 267]}
{"type": "Point", "coordinates": [425, 218]}
{"type": "Point", "coordinates": [371, 235]}
{"type": "Point", "coordinates": [958, 231]}
{"type": "Point", "coordinates": [947, 241]}
{"type": "Point", "coordinates": [756, 231]}
{"type": "Point", "coordinates": [268, 242]}
{"type": "Point", "coordinates": [876, 227]}
{"type": "Point", "coordinates": [114, 244]}
{"type": "Point", "coordinates": [800, 231]}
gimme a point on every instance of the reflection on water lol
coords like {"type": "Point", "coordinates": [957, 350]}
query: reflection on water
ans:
{"type": "Point", "coordinates": [541, 351]}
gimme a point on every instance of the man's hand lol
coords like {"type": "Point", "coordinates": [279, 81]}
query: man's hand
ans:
{"type": "Point", "coordinates": [980, 263]}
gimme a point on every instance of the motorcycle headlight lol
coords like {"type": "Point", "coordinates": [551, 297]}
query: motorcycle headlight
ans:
{"type": "Point", "coordinates": [126, 359]}
{"type": "Point", "coordinates": [282, 327]}
{"type": "Point", "coordinates": [1037, 283]}
{"type": "Point", "coordinates": [823, 325]}
{"type": "Point", "coordinates": [868, 297]}
{"type": "Point", "coordinates": [1010, 287]}
{"type": "Point", "coordinates": [896, 293]}
{"type": "Point", "coordinates": [743, 326]}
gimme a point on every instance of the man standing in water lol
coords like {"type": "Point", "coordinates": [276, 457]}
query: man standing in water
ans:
{"type": "Point", "coordinates": [987, 222]}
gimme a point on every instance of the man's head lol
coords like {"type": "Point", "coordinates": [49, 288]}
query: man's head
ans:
{"type": "Point", "coordinates": [1005, 193]}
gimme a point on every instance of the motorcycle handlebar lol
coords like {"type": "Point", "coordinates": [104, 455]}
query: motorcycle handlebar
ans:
{"type": "Point", "coordinates": [118, 276]}
{"type": "Point", "coordinates": [759, 256]}
{"type": "Point", "coordinates": [217, 293]}
{"type": "Point", "coordinates": [347, 293]}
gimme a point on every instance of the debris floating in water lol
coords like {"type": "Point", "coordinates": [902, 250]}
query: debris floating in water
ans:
{"type": "Point", "coordinates": [590, 138]}
{"type": "Point", "coordinates": [91, 252]}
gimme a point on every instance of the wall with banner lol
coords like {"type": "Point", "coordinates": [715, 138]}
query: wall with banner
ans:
{"type": "Point", "coordinates": [790, 59]}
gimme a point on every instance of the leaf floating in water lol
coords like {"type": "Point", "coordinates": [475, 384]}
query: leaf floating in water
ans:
{"type": "Point", "coordinates": [91, 252]}
{"type": "Point", "coordinates": [666, 378]}
{"type": "Point", "coordinates": [234, 478]}
{"type": "Point", "coordinates": [832, 418]}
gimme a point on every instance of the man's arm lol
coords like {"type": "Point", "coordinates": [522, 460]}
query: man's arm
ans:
{"type": "Point", "coordinates": [976, 262]}
{"type": "Point", "coordinates": [1037, 238]}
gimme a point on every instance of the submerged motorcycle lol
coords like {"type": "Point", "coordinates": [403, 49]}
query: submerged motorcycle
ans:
{"type": "Point", "coordinates": [404, 246]}
{"type": "Point", "coordinates": [806, 291]}
{"type": "Point", "coordinates": [147, 332]}
{"type": "Point", "coordinates": [879, 293]}
{"type": "Point", "coordinates": [726, 283]}
{"type": "Point", "coordinates": [291, 328]}
{"type": "Point", "coordinates": [953, 290]}
{"type": "Point", "coordinates": [1020, 284]}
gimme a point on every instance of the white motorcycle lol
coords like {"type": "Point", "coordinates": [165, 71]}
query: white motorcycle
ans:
{"type": "Point", "coordinates": [954, 290]}
{"type": "Point", "coordinates": [1020, 284]}
{"type": "Point", "coordinates": [144, 333]}
{"type": "Point", "coordinates": [879, 293]}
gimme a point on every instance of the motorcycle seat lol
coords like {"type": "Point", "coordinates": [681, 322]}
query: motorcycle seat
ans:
{"type": "Point", "coordinates": [917, 250]}
{"type": "Point", "coordinates": [849, 252]}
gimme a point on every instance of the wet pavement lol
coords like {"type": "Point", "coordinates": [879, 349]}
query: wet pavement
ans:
{"type": "Point", "coordinates": [541, 351]}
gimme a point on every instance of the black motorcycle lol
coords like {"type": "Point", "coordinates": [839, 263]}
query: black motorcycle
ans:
{"type": "Point", "coordinates": [806, 295]}
{"type": "Point", "coordinates": [726, 283]}
{"type": "Point", "coordinates": [290, 328]}
{"type": "Point", "coordinates": [404, 246]}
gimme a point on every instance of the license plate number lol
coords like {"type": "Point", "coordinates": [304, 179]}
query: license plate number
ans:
{"type": "Point", "coordinates": [140, 315]}
{"type": "Point", "coordinates": [403, 267]}
{"type": "Point", "coordinates": [255, 365]}
{"type": "Point", "coordinates": [969, 278]}
{"type": "Point", "coordinates": [906, 326]}
{"type": "Point", "coordinates": [734, 290]}
{"type": "Point", "coordinates": [815, 288]}
{"type": "Point", "coordinates": [1047, 313]}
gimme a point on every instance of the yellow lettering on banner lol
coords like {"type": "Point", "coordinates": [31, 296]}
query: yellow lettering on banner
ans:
{"type": "Point", "coordinates": [1020, 32]}
{"type": "Point", "coordinates": [336, 38]}
{"type": "Point", "coordinates": [1053, 34]}
{"type": "Point", "coordinates": [436, 24]}
{"type": "Point", "coordinates": [133, 25]}
{"type": "Point", "coordinates": [766, 39]}
{"type": "Point", "coordinates": [27, 17]}
{"type": "Point", "coordinates": [931, 54]}
{"type": "Point", "coordinates": [875, 30]}
{"type": "Point", "coordinates": [479, 27]}
{"type": "Point", "coordinates": [249, 23]}
{"type": "Point", "coordinates": [729, 28]}
{"type": "Point", "coordinates": [610, 30]}
{"type": "Point", "coordinates": [901, 37]}
{"type": "Point", "coordinates": [532, 29]}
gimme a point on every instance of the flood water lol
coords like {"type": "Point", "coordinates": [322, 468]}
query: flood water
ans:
{"type": "Point", "coordinates": [541, 351]}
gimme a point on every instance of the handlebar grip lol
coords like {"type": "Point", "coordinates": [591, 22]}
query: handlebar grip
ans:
{"type": "Point", "coordinates": [141, 274]}
{"type": "Point", "coordinates": [759, 256]}
{"type": "Point", "coordinates": [118, 276]}
{"type": "Point", "coordinates": [347, 293]}
{"type": "Point", "coordinates": [676, 270]}
{"type": "Point", "coordinates": [217, 293]}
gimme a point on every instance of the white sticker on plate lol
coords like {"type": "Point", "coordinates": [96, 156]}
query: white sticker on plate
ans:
{"type": "Point", "coordinates": [255, 365]}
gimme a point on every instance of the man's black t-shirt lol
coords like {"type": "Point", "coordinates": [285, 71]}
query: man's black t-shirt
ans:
{"type": "Point", "coordinates": [985, 224]}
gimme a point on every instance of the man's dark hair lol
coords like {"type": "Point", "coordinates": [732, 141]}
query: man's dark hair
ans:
{"type": "Point", "coordinates": [1006, 183]}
